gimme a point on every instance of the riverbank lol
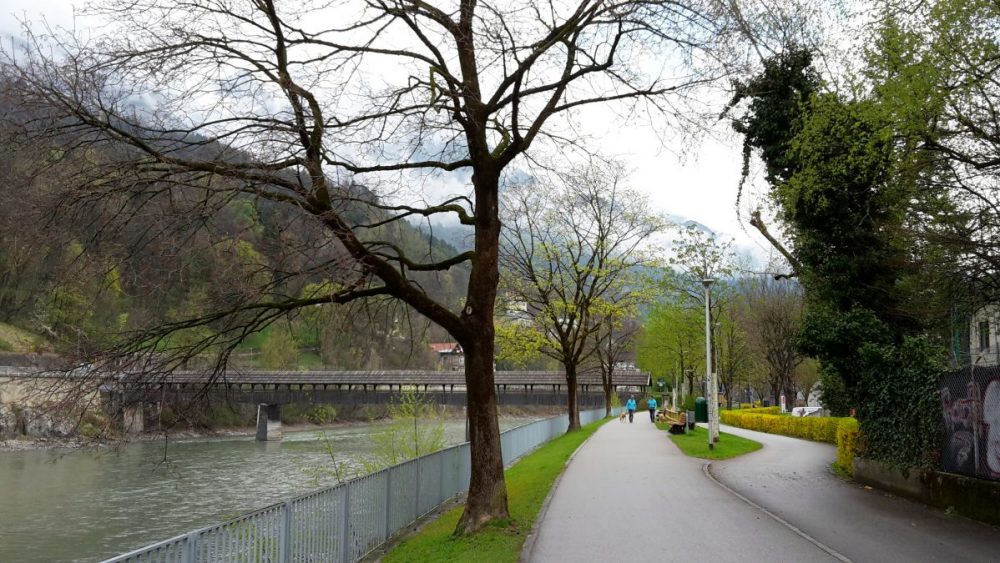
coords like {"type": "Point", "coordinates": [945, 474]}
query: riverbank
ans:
{"type": "Point", "coordinates": [451, 414]}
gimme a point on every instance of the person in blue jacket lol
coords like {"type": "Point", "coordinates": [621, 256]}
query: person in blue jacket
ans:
{"type": "Point", "coordinates": [630, 407]}
{"type": "Point", "coordinates": [651, 403]}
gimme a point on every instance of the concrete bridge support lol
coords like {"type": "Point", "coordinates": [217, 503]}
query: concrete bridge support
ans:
{"type": "Point", "coordinates": [134, 419]}
{"type": "Point", "coordinates": [268, 422]}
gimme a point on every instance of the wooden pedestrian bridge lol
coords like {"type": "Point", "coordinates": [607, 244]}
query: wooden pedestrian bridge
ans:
{"type": "Point", "coordinates": [135, 395]}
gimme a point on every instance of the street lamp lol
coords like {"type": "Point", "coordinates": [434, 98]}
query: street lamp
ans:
{"type": "Point", "coordinates": [712, 394]}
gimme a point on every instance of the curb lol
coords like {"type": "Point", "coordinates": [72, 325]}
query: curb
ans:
{"type": "Point", "coordinates": [529, 542]}
{"type": "Point", "coordinates": [706, 469]}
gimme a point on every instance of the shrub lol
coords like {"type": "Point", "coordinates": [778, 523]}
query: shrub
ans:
{"type": "Point", "coordinates": [6, 346]}
{"type": "Point", "coordinates": [808, 428]}
{"type": "Point", "coordinates": [847, 444]}
{"type": "Point", "coordinates": [169, 418]}
{"type": "Point", "coordinates": [688, 402]}
{"type": "Point", "coordinates": [321, 414]}
{"type": "Point", "coordinates": [760, 410]}
{"type": "Point", "coordinates": [221, 416]}
{"type": "Point", "coordinates": [293, 414]}
{"type": "Point", "coordinates": [93, 424]}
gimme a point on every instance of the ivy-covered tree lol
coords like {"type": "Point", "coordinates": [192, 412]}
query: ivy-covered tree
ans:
{"type": "Point", "coordinates": [843, 179]}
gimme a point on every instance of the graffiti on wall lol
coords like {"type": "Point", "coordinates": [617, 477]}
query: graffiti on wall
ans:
{"type": "Point", "coordinates": [970, 404]}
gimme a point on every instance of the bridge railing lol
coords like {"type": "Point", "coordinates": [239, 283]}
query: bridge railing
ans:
{"type": "Point", "coordinates": [345, 522]}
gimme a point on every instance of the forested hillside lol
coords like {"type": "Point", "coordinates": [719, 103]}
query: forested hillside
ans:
{"type": "Point", "coordinates": [83, 273]}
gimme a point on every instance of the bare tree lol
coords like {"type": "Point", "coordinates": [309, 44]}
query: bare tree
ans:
{"type": "Point", "coordinates": [614, 341]}
{"type": "Point", "coordinates": [733, 352]}
{"type": "Point", "coordinates": [570, 250]}
{"type": "Point", "coordinates": [342, 115]}
{"type": "Point", "coordinates": [772, 311]}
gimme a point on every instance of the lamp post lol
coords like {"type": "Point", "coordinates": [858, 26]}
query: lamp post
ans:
{"type": "Point", "coordinates": [710, 387]}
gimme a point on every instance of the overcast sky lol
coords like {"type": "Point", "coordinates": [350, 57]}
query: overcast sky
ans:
{"type": "Point", "coordinates": [696, 181]}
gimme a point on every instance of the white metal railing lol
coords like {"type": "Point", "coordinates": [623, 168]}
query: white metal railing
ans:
{"type": "Point", "coordinates": [345, 522]}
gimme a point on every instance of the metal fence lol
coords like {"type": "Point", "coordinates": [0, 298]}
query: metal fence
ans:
{"type": "Point", "coordinates": [346, 522]}
{"type": "Point", "coordinates": [970, 407]}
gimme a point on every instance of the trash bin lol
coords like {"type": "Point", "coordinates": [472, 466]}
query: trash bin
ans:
{"type": "Point", "coordinates": [700, 410]}
{"type": "Point", "coordinates": [690, 420]}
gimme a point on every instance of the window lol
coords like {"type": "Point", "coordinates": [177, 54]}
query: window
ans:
{"type": "Point", "coordinates": [984, 335]}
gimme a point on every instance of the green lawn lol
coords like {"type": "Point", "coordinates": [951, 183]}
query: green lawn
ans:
{"type": "Point", "coordinates": [14, 339]}
{"type": "Point", "coordinates": [695, 443]}
{"type": "Point", "coordinates": [528, 483]}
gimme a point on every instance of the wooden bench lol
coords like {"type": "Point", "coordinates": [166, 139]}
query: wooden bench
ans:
{"type": "Point", "coordinates": [676, 420]}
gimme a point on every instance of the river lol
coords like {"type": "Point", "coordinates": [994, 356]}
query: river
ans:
{"type": "Point", "coordinates": [86, 506]}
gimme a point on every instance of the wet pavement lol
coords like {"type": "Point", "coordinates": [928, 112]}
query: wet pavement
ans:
{"type": "Point", "coordinates": [791, 478]}
{"type": "Point", "coordinates": [629, 493]}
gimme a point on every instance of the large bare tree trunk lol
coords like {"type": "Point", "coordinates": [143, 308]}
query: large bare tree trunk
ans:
{"type": "Point", "coordinates": [487, 497]}
{"type": "Point", "coordinates": [571, 398]}
{"type": "Point", "coordinates": [607, 398]}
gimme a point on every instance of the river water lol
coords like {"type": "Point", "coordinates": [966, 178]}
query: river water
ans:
{"type": "Point", "coordinates": [86, 506]}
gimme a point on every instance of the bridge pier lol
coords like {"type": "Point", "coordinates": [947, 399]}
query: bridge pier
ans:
{"type": "Point", "coordinates": [268, 422]}
{"type": "Point", "coordinates": [134, 419]}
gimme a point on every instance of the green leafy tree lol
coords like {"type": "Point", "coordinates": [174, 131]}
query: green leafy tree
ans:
{"type": "Point", "coordinates": [572, 250]}
{"type": "Point", "coordinates": [279, 350]}
{"type": "Point", "coordinates": [415, 428]}
{"type": "Point", "coordinates": [843, 179]}
{"type": "Point", "coordinates": [672, 345]}
{"type": "Point", "coordinates": [519, 344]}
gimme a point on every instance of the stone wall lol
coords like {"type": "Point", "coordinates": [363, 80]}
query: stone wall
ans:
{"type": "Point", "coordinates": [38, 408]}
{"type": "Point", "coordinates": [968, 496]}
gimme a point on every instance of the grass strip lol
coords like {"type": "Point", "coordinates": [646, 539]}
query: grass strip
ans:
{"type": "Point", "coordinates": [695, 443]}
{"type": "Point", "coordinates": [528, 483]}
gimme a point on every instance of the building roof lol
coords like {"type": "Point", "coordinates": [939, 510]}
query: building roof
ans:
{"type": "Point", "coordinates": [446, 347]}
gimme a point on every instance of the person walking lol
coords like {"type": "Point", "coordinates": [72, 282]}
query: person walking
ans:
{"type": "Point", "coordinates": [651, 403]}
{"type": "Point", "coordinates": [630, 407]}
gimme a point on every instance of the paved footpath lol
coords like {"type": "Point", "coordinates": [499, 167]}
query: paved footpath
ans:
{"type": "Point", "coordinates": [791, 478]}
{"type": "Point", "coordinates": [629, 493]}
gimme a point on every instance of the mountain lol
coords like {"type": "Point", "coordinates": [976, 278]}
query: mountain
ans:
{"type": "Point", "coordinates": [457, 236]}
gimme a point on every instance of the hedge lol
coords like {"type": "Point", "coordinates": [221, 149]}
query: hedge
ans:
{"type": "Point", "coordinates": [847, 444]}
{"type": "Point", "coordinates": [842, 431]}
{"type": "Point", "coordinates": [758, 410]}
{"type": "Point", "coordinates": [821, 429]}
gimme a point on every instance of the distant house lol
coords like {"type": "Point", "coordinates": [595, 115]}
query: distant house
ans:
{"type": "Point", "coordinates": [516, 311]}
{"type": "Point", "coordinates": [984, 332]}
{"type": "Point", "coordinates": [451, 357]}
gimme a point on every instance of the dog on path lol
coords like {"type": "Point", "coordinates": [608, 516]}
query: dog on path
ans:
{"type": "Point", "coordinates": [622, 416]}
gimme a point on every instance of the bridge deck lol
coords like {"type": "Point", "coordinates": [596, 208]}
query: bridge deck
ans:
{"type": "Point", "coordinates": [387, 378]}
{"type": "Point", "coordinates": [390, 378]}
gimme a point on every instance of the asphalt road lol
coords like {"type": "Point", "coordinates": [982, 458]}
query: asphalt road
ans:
{"type": "Point", "coordinates": [791, 479]}
{"type": "Point", "coordinates": [629, 493]}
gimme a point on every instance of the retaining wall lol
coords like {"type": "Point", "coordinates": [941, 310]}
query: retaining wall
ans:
{"type": "Point", "coordinates": [968, 496]}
